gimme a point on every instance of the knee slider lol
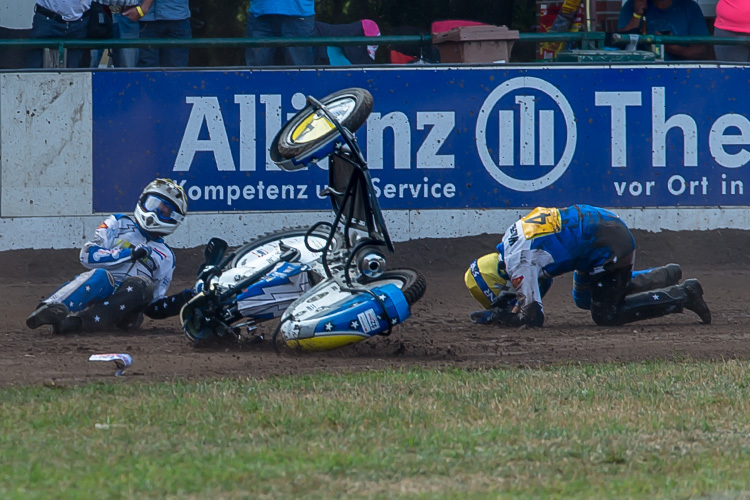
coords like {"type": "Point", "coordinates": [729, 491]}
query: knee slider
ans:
{"type": "Point", "coordinates": [103, 275]}
{"type": "Point", "coordinates": [140, 289]}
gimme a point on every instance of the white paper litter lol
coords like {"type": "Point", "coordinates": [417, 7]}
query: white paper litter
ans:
{"type": "Point", "coordinates": [121, 361]}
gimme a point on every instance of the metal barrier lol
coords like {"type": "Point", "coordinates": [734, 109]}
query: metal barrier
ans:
{"type": "Point", "coordinates": [618, 39]}
{"type": "Point", "coordinates": [591, 39]}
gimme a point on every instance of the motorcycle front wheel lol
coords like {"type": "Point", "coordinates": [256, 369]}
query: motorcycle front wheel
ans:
{"type": "Point", "coordinates": [309, 243]}
{"type": "Point", "coordinates": [310, 130]}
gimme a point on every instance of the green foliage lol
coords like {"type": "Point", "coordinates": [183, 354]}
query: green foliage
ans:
{"type": "Point", "coordinates": [219, 19]}
{"type": "Point", "coordinates": [650, 430]}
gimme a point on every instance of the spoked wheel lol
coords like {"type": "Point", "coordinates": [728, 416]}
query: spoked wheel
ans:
{"type": "Point", "coordinates": [310, 134]}
{"type": "Point", "coordinates": [199, 322]}
{"type": "Point", "coordinates": [296, 237]}
{"type": "Point", "coordinates": [410, 281]}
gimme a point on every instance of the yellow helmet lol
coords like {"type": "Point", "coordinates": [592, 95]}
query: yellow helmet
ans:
{"type": "Point", "coordinates": [486, 279]}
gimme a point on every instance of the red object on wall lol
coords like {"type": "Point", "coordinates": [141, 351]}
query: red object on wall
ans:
{"type": "Point", "coordinates": [399, 58]}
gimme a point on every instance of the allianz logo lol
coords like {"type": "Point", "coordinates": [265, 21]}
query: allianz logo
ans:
{"type": "Point", "coordinates": [525, 134]}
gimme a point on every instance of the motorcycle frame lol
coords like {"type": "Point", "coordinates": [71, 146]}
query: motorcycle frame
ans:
{"type": "Point", "coordinates": [356, 202]}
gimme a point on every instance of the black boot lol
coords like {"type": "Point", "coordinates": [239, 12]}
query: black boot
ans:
{"type": "Point", "coordinates": [694, 301]}
{"type": "Point", "coordinates": [658, 303]}
{"type": "Point", "coordinates": [47, 313]}
{"type": "Point", "coordinates": [132, 321]}
{"type": "Point", "coordinates": [659, 277]}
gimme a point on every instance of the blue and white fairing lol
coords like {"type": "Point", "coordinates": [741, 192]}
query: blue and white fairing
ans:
{"type": "Point", "coordinates": [269, 297]}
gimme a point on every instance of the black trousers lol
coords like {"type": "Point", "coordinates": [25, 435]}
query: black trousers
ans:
{"type": "Point", "coordinates": [610, 304]}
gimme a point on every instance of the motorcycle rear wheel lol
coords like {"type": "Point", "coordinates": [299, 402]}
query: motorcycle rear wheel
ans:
{"type": "Point", "coordinates": [411, 282]}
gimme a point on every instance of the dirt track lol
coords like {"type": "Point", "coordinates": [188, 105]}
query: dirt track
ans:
{"type": "Point", "coordinates": [437, 334]}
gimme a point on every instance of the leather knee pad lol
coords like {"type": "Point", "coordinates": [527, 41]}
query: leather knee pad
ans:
{"type": "Point", "coordinates": [608, 290]}
{"type": "Point", "coordinates": [135, 288]}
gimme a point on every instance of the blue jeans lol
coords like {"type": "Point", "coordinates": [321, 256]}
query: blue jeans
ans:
{"type": "Point", "coordinates": [164, 57]}
{"type": "Point", "coordinates": [731, 53]}
{"type": "Point", "coordinates": [124, 29]}
{"type": "Point", "coordinates": [276, 26]}
{"type": "Point", "coordinates": [44, 27]}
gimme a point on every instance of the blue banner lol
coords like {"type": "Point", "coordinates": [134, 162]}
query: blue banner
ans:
{"type": "Point", "coordinates": [438, 137]}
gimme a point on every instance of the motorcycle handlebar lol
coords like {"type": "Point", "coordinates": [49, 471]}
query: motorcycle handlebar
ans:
{"type": "Point", "coordinates": [227, 260]}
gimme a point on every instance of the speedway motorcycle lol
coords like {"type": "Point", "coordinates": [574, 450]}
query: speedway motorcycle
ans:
{"type": "Point", "coordinates": [328, 284]}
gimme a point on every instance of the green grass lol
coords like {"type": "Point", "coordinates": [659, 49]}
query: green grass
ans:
{"type": "Point", "coordinates": [652, 430]}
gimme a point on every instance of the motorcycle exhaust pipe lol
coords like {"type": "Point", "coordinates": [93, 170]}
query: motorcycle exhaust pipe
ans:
{"type": "Point", "coordinates": [370, 263]}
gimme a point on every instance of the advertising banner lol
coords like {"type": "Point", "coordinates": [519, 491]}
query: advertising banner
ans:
{"type": "Point", "coordinates": [438, 137]}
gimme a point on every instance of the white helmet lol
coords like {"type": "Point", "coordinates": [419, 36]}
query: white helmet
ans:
{"type": "Point", "coordinates": [161, 207]}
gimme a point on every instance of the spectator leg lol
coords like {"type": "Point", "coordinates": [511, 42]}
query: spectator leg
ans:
{"type": "Point", "coordinates": [260, 27]}
{"type": "Point", "coordinates": [731, 53]}
{"type": "Point", "coordinates": [96, 57]}
{"type": "Point", "coordinates": [148, 57]}
{"type": "Point", "coordinates": [98, 54]}
{"type": "Point", "coordinates": [177, 57]}
{"type": "Point", "coordinates": [298, 27]}
{"type": "Point", "coordinates": [76, 30]}
{"type": "Point", "coordinates": [127, 30]}
{"type": "Point", "coordinates": [42, 27]}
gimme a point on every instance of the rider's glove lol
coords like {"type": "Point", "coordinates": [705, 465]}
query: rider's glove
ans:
{"type": "Point", "coordinates": [484, 317]}
{"type": "Point", "coordinates": [140, 252]}
{"type": "Point", "coordinates": [534, 315]}
{"type": "Point", "coordinates": [496, 316]}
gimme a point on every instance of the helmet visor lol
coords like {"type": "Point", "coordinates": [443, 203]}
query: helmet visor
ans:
{"type": "Point", "coordinates": [163, 209]}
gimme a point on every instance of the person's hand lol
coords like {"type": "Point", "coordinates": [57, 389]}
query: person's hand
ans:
{"type": "Point", "coordinates": [140, 252]}
{"type": "Point", "coordinates": [496, 316]}
{"type": "Point", "coordinates": [133, 13]}
{"type": "Point", "coordinates": [639, 7]}
{"type": "Point", "coordinates": [484, 317]}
